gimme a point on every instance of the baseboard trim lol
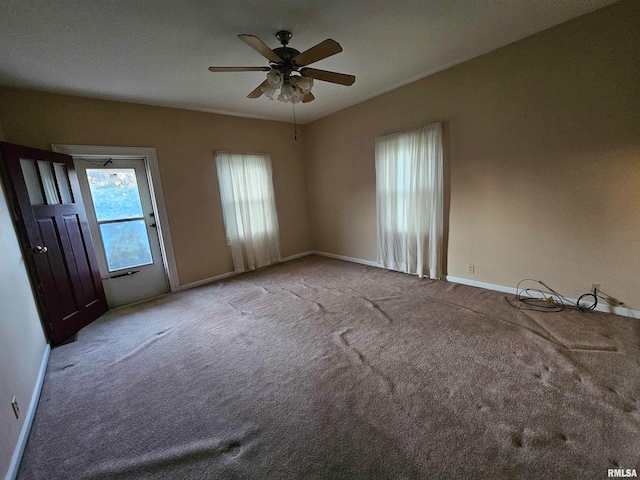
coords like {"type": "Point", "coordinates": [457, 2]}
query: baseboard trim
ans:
{"type": "Point", "coordinates": [624, 312]}
{"type": "Point", "coordinates": [297, 255]}
{"type": "Point", "coordinates": [486, 286]}
{"type": "Point", "coordinates": [233, 274]}
{"type": "Point", "coordinates": [207, 280]}
{"type": "Point", "coordinates": [28, 419]}
{"type": "Point", "coordinates": [347, 259]}
{"type": "Point", "coordinates": [601, 307]}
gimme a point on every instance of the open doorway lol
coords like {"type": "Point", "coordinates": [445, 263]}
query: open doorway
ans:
{"type": "Point", "coordinates": [122, 194]}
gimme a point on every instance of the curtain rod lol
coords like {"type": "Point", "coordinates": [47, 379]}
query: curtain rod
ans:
{"type": "Point", "coordinates": [412, 129]}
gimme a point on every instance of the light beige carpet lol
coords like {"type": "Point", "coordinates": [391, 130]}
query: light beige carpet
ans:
{"type": "Point", "coordinates": [323, 369]}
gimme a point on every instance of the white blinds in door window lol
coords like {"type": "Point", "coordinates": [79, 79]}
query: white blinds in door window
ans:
{"type": "Point", "coordinates": [249, 209]}
{"type": "Point", "coordinates": [409, 200]}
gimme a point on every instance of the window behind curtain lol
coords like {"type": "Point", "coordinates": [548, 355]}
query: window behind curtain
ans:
{"type": "Point", "coordinates": [249, 209]}
{"type": "Point", "coordinates": [409, 200]}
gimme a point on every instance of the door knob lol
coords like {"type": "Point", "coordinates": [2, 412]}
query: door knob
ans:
{"type": "Point", "coordinates": [39, 249]}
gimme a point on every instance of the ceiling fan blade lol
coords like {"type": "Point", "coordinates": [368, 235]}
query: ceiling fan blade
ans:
{"type": "Point", "coordinates": [322, 50]}
{"type": "Point", "coordinates": [260, 47]}
{"type": "Point", "coordinates": [294, 82]}
{"type": "Point", "coordinates": [326, 76]}
{"type": "Point", "coordinates": [257, 92]}
{"type": "Point", "coordinates": [239, 69]}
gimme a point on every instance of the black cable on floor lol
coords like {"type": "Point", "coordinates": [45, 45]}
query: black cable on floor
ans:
{"type": "Point", "coordinates": [550, 301]}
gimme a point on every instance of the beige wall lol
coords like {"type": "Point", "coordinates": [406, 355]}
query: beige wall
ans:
{"type": "Point", "coordinates": [184, 142]}
{"type": "Point", "coordinates": [22, 341]}
{"type": "Point", "coordinates": [543, 150]}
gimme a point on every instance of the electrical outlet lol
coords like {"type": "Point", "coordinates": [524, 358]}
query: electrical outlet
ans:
{"type": "Point", "coordinates": [471, 268]}
{"type": "Point", "coordinates": [16, 408]}
{"type": "Point", "coordinates": [595, 288]}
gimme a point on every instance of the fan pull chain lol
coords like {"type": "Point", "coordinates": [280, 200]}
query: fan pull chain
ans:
{"type": "Point", "coordinates": [295, 124]}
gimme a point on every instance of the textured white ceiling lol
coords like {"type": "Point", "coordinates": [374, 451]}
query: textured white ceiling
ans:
{"type": "Point", "coordinates": [158, 52]}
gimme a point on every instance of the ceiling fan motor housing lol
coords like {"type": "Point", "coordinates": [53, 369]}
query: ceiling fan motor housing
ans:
{"type": "Point", "coordinates": [287, 54]}
{"type": "Point", "coordinates": [283, 37]}
{"type": "Point", "coordinates": [288, 64]}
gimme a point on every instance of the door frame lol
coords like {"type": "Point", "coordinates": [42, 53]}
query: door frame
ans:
{"type": "Point", "coordinates": [155, 188]}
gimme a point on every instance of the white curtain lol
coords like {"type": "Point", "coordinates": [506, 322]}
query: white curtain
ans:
{"type": "Point", "coordinates": [249, 209]}
{"type": "Point", "coordinates": [409, 199]}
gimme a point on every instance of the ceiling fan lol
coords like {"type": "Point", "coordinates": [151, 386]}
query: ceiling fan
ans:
{"type": "Point", "coordinates": [288, 69]}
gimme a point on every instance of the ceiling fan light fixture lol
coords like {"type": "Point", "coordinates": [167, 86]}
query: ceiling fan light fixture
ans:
{"type": "Point", "coordinates": [297, 96]}
{"type": "Point", "coordinates": [269, 91]}
{"type": "Point", "coordinates": [286, 93]}
{"type": "Point", "coordinates": [305, 84]}
{"type": "Point", "coordinates": [275, 78]}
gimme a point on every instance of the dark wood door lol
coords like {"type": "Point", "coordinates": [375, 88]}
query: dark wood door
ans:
{"type": "Point", "coordinates": [54, 235]}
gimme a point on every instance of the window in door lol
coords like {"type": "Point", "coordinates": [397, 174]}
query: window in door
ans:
{"type": "Point", "coordinates": [123, 231]}
{"type": "Point", "coordinates": [47, 182]}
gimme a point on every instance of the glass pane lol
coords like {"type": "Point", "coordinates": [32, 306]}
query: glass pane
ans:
{"type": "Point", "coordinates": [32, 179]}
{"type": "Point", "coordinates": [115, 193]}
{"type": "Point", "coordinates": [48, 182]}
{"type": "Point", "coordinates": [63, 182]}
{"type": "Point", "coordinates": [126, 244]}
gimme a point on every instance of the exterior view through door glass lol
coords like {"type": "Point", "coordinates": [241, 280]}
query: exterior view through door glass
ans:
{"type": "Point", "coordinates": [118, 209]}
{"type": "Point", "coordinates": [121, 218]}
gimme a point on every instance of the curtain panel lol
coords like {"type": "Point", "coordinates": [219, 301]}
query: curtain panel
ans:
{"type": "Point", "coordinates": [249, 209]}
{"type": "Point", "coordinates": [409, 200]}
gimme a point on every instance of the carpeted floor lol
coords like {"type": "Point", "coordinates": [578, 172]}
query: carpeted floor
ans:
{"type": "Point", "coordinates": [322, 369]}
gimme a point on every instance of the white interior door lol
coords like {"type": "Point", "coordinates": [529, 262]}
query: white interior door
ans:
{"type": "Point", "coordinates": [122, 223]}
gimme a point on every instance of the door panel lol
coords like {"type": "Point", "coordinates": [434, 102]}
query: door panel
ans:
{"type": "Point", "coordinates": [88, 294]}
{"type": "Point", "coordinates": [55, 238]}
{"type": "Point", "coordinates": [53, 272]}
